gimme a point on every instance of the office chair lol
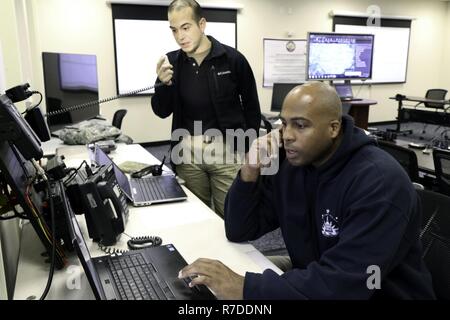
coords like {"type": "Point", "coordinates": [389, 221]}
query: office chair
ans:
{"type": "Point", "coordinates": [118, 117]}
{"type": "Point", "coordinates": [406, 157]}
{"type": "Point", "coordinates": [434, 94]}
{"type": "Point", "coordinates": [441, 159]}
{"type": "Point", "coordinates": [435, 238]}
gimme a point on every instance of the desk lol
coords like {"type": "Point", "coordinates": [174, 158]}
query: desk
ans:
{"type": "Point", "coordinates": [425, 161]}
{"type": "Point", "coordinates": [49, 147]}
{"type": "Point", "coordinates": [419, 115]}
{"type": "Point", "coordinates": [359, 110]}
{"type": "Point", "coordinates": [191, 226]}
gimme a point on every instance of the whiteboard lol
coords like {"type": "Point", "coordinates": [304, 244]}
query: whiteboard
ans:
{"type": "Point", "coordinates": [140, 44]}
{"type": "Point", "coordinates": [284, 61]}
{"type": "Point", "coordinates": [390, 55]}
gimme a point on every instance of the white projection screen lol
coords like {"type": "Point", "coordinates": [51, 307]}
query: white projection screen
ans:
{"type": "Point", "coordinates": [391, 45]}
{"type": "Point", "coordinates": [142, 35]}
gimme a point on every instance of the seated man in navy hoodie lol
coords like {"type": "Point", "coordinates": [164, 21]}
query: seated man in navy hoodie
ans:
{"type": "Point", "coordinates": [347, 211]}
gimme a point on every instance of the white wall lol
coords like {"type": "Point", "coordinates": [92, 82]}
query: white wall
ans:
{"type": "Point", "coordinates": [10, 75]}
{"type": "Point", "coordinates": [9, 40]}
{"type": "Point", "coordinates": [85, 26]}
{"type": "Point", "coordinates": [445, 73]}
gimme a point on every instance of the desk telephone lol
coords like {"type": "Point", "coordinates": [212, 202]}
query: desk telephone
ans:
{"type": "Point", "coordinates": [100, 198]}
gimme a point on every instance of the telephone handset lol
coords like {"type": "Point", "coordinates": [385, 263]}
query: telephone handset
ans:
{"type": "Point", "coordinates": [95, 102]}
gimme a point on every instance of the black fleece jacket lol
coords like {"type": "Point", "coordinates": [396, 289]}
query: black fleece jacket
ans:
{"type": "Point", "coordinates": [231, 86]}
{"type": "Point", "coordinates": [357, 212]}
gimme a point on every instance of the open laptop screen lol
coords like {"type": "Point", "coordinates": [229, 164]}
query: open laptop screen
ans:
{"type": "Point", "coordinates": [102, 159]}
{"type": "Point", "coordinates": [344, 91]}
{"type": "Point", "coordinates": [81, 249]}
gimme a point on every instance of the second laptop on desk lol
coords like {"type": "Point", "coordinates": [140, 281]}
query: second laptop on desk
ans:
{"type": "Point", "coordinates": [345, 92]}
{"type": "Point", "coordinates": [144, 191]}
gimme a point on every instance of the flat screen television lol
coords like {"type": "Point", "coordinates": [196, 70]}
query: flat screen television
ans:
{"type": "Point", "coordinates": [339, 56]}
{"type": "Point", "coordinates": [70, 79]}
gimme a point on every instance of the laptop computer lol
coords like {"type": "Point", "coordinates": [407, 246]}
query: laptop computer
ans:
{"type": "Point", "coordinates": [150, 273]}
{"type": "Point", "coordinates": [144, 191]}
{"type": "Point", "coordinates": [345, 92]}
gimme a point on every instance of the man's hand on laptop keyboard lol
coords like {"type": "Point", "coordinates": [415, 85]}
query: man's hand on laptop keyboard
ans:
{"type": "Point", "coordinates": [225, 283]}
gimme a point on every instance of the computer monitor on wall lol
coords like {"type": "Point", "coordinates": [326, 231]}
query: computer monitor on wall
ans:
{"type": "Point", "coordinates": [70, 79]}
{"type": "Point", "coordinates": [337, 56]}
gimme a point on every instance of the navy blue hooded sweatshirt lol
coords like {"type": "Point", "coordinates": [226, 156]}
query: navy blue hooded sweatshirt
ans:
{"type": "Point", "coordinates": [340, 222]}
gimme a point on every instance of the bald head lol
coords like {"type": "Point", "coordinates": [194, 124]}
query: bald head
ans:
{"type": "Point", "coordinates": [311, 123]}
{"type": "Point", "coordinates": [319, 98]}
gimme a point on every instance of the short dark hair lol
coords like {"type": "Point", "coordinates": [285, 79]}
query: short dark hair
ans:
{"type": "Point", "coordinates": [197, 12]}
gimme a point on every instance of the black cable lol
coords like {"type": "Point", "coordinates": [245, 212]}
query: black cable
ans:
{"type": "Point", "coordinates": [72, 176]}
{"type": "Point", "coordinates": [135, 243]}
{"type": "Point", "coordinates": [64, 109]}
{"type": "Point", "coordinates": [110, 250]}
{"type": "Point", "coordinates": [37, 104]}
{"type": "Point", "coordinates": [52, 263]}
{"type": "Point", "coordinates": [40, 100]}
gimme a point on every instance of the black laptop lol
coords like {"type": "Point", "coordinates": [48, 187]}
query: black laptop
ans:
{"type": "Point", "coordinates": [144, 191]}
{"type": "Point", "coordinates": [144, 274]}
{"type": "Point", "coordinates": [345, 92]}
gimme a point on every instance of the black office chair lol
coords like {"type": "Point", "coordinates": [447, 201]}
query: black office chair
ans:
{"type": "Point", "coordinates": [118, 117]}
{"type": "Point", "coordinates": [441, 159]}
{"type": "Point", "coordinates": [434, 94]}
{"type": "Point", "coordinates": [406, 157]}
{"type": "Point", "coordinates": [435, 238]}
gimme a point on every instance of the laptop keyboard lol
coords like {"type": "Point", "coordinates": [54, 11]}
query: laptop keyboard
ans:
{"type": "Point", "coordinates": [151, 188]}
{"type": "Point", "coordinates": [137, 280]}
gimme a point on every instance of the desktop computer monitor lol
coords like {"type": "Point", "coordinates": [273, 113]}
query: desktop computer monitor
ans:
{"type": "Point", "coordinates": [69, 80]}
{"type": "Point", "coordinates": [337, 56]}
{"type": "Point", "coordinates": [279, 92]}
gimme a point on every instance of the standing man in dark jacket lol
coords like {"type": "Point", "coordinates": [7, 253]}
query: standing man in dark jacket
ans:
{"type": "Point", "coordinates": [348, 213]}
{"type": "Point", "coordinates": [210, 88]}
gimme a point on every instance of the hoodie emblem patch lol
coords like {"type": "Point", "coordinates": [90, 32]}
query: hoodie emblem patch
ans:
{"type": "Point", "coordinates": [329, 225]}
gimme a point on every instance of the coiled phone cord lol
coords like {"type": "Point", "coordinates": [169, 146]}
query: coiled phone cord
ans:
{"type": "Point", "coordinates": [134, 243]}
{"type": "Point", "coordinates": [91, 103]}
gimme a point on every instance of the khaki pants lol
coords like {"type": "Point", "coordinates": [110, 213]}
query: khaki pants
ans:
{"type": "Point", "coordinates": [209, 172]}
{"type": "Point", "coordinates": [282, 262]}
